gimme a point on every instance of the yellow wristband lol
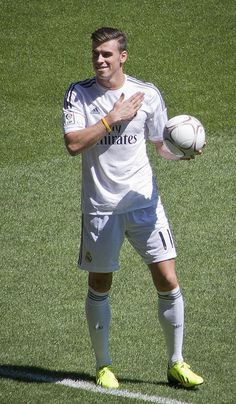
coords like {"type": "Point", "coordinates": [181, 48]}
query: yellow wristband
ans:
{"type": "Point", "coordinates": [106, 124]}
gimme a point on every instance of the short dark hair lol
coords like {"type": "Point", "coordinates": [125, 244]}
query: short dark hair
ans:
{"type": "Point", "coordinates": [105, 34]}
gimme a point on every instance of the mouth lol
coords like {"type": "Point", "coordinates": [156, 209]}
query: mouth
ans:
{"type": "Point", "coordinates": [101, 68]}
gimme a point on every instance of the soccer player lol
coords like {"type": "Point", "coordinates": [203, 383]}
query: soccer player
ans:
{"type": "Point", "coordinates": [108, 119]}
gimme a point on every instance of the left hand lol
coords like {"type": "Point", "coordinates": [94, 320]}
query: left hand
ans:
{"type": "Point", "coordinates": [197, 153]}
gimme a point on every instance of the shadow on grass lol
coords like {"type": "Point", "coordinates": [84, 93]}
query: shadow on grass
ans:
{"type": "Point", "coordinates": [32, 374]}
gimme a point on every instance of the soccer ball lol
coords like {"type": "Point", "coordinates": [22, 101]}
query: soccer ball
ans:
{"type": "Point", "coordinates": [184, 135]}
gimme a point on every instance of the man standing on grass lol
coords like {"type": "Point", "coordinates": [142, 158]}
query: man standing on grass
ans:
{"type": "Point", "coordinates": [108, 119]}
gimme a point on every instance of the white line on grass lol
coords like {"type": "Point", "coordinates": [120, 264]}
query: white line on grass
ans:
{"type": "Point", "coordinates": [118, 393]}
{"type": "Point", "coordinates": [82, 385]}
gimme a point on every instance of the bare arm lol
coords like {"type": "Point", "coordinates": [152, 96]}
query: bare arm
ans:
{"type": "Point", "coordinates": [164, 152]}
{"type": "Point", "coordinates": [123, 110]}
{"type": "Point", "coordinates": [79, 140]}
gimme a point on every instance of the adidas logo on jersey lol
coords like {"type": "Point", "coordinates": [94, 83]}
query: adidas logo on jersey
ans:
{"type": "Point", "coordinates": [95, 111]}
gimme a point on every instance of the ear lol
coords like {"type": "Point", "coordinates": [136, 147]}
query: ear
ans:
{"type": "Point", "coordinates": [123, 56]}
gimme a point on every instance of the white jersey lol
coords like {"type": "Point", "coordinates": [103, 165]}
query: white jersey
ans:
{"type": "Point", "coordinates": [116, 173]}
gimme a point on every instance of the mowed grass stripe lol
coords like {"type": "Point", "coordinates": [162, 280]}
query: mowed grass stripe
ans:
{"type": "Point", "coordinates": [83, 385]}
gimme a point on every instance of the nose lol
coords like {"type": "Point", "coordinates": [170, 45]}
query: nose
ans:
{"type": "Point", "coordinates": [100, 58]}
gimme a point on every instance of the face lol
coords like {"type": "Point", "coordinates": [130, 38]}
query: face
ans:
{"type": "Point", "coordinates": [108, 63]}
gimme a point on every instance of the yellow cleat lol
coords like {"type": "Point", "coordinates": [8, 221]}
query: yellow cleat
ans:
{"type": "Point", "coordinates": [106, 378]}
{"type": "Point", "coordinates": [180, 374]}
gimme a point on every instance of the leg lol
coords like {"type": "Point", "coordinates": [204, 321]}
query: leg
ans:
{"type": "Point", "coordinates": [101, 240]}
{"type": "Point", "coordinates": [171, 316]}
{"type": "Point", "coordinates": [100, 282]}
{"type": "Point", "coordinates": [170, 307]}
{"type": "Point", "coordinates": [98, 317]}
{"type": "Point", "coordinates": [163, 275]}
{"type": "Point", "coordinates": [150, 235]}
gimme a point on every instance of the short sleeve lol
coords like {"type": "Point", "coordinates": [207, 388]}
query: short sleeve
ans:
{"type": "Point", "coordinates": [158, 116]}
{"type": "Point", "coordinates": [73, 111]}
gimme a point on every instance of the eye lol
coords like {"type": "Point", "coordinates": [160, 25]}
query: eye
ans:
{"type": "Point", "coordinates": [95, 54]}
{"type": "Point", "coordinates": [107, 54]}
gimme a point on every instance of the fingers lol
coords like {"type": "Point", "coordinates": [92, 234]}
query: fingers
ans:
{"type": "Point", "coordinates": [136, 99]}
{"type": "Point", "coordinates": [197, 153]}
{"type": "Point", "coordinates": [122, 97]}
{"type": "Point", "coordinates": [187, 158]}
{"type": "Point", "coordinates": [135, 102]}
{"type": "Point", "coordinates": [137, 96]}
{"type": "Point", "coordinates": [126, 109]}
{"type": "Point", "coordinates": [201, 151]}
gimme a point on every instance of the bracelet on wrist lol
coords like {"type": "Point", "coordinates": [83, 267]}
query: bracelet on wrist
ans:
{"type": "Point", "coordinates": [106, 124]}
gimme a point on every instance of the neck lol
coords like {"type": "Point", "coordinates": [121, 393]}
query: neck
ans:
{"type": "Point", "coordinates": [112, 83]}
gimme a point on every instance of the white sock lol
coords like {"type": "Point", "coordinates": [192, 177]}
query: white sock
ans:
{"type": "Point", "coordinates": [98, 317]}
{"type": "Point", "coordinates": [171, 317]}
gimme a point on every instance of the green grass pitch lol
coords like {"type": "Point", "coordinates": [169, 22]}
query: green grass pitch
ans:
{"type": "Point", "coordinates": [187, 48]}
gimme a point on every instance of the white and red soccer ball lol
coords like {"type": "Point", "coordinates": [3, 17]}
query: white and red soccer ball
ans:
{"type": "Point", "coordinates": [184, 135]}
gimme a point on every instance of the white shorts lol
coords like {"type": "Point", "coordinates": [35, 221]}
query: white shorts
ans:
{"type": "Point", "coordinates": [102, 236]}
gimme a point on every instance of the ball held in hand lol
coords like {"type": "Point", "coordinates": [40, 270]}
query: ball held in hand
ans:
{"type": "Point", "coordinates": [184, 135]}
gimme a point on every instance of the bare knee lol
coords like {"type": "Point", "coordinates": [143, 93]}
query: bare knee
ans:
{"type": "Point", "coordinates": [163, 275]}
{"type": "Point", "coordinates": [100, 282]}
